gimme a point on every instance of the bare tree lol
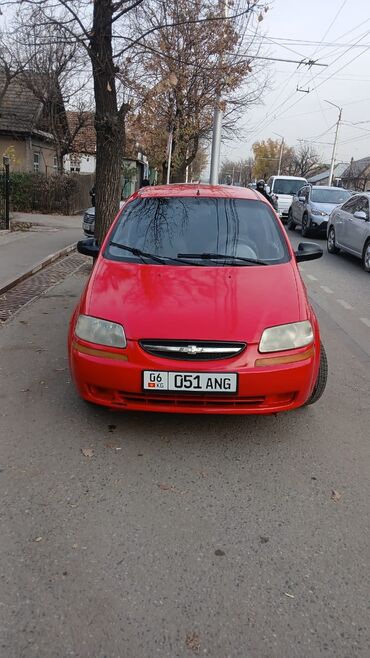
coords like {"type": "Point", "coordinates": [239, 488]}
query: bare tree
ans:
{"type": "Point", "coordinates": [306, 160]}
{"type": "Point", "coordinates": [104, 29]}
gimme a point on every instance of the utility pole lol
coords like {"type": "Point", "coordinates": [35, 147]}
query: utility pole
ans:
{"type": "Point", "coordinates": [335, 142]}
{"type": "Point", "coordinates": [280, 153]}
{"type": "Point", "coordinates": [217, 130]}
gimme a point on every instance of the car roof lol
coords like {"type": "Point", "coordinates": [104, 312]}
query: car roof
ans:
{"type": "Point", "coordinates": [328, 187]}
{"type": "Point", "coordinates": [291, 177]}
{"type": "Point", "coordinates": [199, 190]}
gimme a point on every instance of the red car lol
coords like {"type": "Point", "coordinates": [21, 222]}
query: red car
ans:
{"type": "Point", "coordinates": [196, 304]}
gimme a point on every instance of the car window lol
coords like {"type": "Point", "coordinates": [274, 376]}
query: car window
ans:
{"type": "Point", "coordinates": [350, 205]}
{"type": "Point", "coordinates": [167, 226]}
{"type": "Point", "coordinates": [287, 186]}
{"type": "Point", "coordinates": [334, 195]}
{"type": "Point", "coordinates": [362, 205]}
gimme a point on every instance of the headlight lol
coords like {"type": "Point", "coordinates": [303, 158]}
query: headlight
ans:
{"type": "Point", "coordinates": [99, 331]}
{"type": "Point", "coordinates": [318, 212]}
{"type": "Point", "coordinates": [286, 337]}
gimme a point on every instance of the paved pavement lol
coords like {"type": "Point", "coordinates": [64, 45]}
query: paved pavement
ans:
{"type": "Point", "coordinates": [184, 535]}
{"type": "Point", "coordinates": [21, 251]}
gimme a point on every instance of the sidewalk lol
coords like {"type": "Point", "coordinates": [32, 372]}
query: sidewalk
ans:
{"type": "Point", "coordinates": [23, 252]}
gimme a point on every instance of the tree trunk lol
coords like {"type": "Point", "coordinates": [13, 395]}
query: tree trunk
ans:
{"type": "Point", "coordinates": [109, 121]}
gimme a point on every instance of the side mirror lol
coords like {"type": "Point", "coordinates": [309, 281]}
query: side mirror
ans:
{"type": "Point", "coordinates": [308, 251]}
{"type": "Point", "coordinates": [88, 247]}
{"type": "Point", "coordinates": [360, 214]}
{"type": "Point", "coordinates": [302, 199]}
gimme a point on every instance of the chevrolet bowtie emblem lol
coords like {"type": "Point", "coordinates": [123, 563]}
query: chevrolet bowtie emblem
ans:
{"type": "Point", "coordinates": [191, 349]}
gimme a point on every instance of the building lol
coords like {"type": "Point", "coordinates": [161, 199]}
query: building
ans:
{"type": "Point", "coordinates": [357, 175]}
{"type": "Point", "coordinates": [323, 177]}
{"type": "Point", "coordinates": [82, 156]}
{"type": "Point", "coordinates": [24, 134]}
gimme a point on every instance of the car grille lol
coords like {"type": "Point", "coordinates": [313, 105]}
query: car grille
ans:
{"type": "Point", "coordinates": [186, 401]}
{"type": "Point", "coordinates": [186, 350]}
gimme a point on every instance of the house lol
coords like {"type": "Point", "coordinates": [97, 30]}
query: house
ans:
{"type": "Point", "coordinates": [24, 134]}
{"type": "Point", "coordinates": [323, 177]}
{"type": "Point", "coordinates": [82, 156]}
{"type": "Point", "coordinates": [357, 175]}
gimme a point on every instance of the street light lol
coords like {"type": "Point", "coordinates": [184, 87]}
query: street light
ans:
{"type": "Point", "coordinates": [335, 140]}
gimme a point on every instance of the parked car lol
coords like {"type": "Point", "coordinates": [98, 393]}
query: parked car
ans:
{"type": "Point", "coordinates": [188, 311]}
{"type": "Point", "coordinates": [349, 229]}
{"type": "Point", "coordinates": [88, 220]}
{"type": "Point", "coordinates": [284, 188]}
{"type": "Point", "coordinates": [311, 207]}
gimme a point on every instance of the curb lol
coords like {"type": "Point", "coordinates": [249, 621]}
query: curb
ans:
{"type": "Point", "coordinates": [36, 268]}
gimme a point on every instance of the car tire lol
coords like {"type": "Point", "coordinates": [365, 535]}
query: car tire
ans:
{"type": "Point", "coordinates": [366, 257]}
{"type": "Point", "coordinates": [330, 243]}
{"type": "Point", "coordinates": [306, 231]}
{"type": "Point", "coordinates": [291, 223]}
{"type": "Point", "coordinates": [322, 378]}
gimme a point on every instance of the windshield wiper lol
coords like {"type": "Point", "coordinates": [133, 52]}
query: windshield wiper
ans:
{"type": "Point", "coordinates": [205, 256]}
{"type": "Point", "coordinates": [144, 254]}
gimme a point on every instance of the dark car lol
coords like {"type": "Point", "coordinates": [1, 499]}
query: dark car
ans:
{"type": "Point", "coordinates": [312, 205]}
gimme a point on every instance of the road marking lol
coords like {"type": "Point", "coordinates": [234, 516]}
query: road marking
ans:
{"type": "Point", "coordinates": [311, 277]}
{"type": "Point", "coordinates": [326, 289]}
{"type": "Point", "coordinates": [365, 321]}
{"type": "Point", "coordinates": [345, 304]}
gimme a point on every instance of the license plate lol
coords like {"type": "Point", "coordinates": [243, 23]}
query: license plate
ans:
{"type": "Point", "coordinates": [195, 382]}
{"type": "Point", "coordinates": [86, 226]}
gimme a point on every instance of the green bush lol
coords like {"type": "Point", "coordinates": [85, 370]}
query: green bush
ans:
{"type": "Point", "coordinates": [36, 192]}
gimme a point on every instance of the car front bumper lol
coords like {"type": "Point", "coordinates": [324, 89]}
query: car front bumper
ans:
{"type": "Point", "coordinates": [113, 378]}
{"type": "Point", "coordinates": [319, 224]}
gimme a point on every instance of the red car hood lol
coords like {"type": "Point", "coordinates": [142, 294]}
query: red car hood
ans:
{"type": "Point", "coordinates": [203, 303]}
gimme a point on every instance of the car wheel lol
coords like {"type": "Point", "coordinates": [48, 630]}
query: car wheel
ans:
{"type": "Point", "coordinates": [322, 378]}
{"type": "Point", "coordinates": [305, 226]}
{"type": "Point", "coordinates": [366, 257]}
{"type": "Point", "coordinates": [330, 244]}
{"type": "Point", "coordinates": [291, 223]}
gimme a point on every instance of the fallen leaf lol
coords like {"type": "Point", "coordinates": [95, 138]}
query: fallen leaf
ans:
{"type": "Point", "coordinates": [87, 452]}
{"type": "Point", "coordinates": [264, 540]}
{"type": "Point", "coordinates": [290, 596]}
{"type": "Point", "coordinates": [140, 454]}
{"type": "Point", "coordinates": [167, 487]}
{"type": "Point", "coordinates": [24, 390]}
{"type": "Point", "coordinates": [335, 496]}
{"type": "Point", "coordinates": [203, 474]}
{"type": "Point", "coordinates": [193, 642]}
{"type": "Point", "coordinates": [111, 428]}
{"type": "Point", "coordinates": [38, 539]}
{"type": "Point", "coordinates": [74, 545]}
{"type": "Point", "coordinates": [218, 551]}
{"type": "Point", "coordinates": [111, 444]}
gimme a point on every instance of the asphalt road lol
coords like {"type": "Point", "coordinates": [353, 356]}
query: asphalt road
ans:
{"type": "Point", "coordinates": [185, 535]}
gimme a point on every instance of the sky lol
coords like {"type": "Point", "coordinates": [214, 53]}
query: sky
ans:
{"type": "Point", "coordinates": [345, 81]}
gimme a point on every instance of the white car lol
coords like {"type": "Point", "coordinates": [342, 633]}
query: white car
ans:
{"type": "Point", "coordinates": [284, 188]}
{"type": "Point", "coordinates": [349, 229]}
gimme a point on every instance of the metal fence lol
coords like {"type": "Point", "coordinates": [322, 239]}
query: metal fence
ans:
{"type": "Point", "coordinates": [4, 196]}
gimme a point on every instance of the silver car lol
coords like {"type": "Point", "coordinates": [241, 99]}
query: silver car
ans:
{"type": "Point", "coordinates": [349, 229]}
{"type": "Point", "coordinates": [311, 207]}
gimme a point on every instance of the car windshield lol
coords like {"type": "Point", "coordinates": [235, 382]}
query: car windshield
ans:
{"type": "Point", "coordinates": [330, 196]}
{"type": "Point", "coordinates": [286, 186]}
{"type": "Point", "coordinates": [166, 227]}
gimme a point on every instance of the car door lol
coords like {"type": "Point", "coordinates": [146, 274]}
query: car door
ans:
{"type": "Point", "coordinates": [302, 198]}
{"type": "Point", "coordinates": [341, 219]}
{"type": "Point", "coordinates": [357, 228]}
